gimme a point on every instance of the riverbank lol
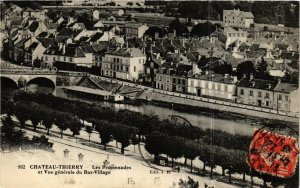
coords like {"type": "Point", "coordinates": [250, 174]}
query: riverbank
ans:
{"type": "Point", "coordinates": [156, 95]}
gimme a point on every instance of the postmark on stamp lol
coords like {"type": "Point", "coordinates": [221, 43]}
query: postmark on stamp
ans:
{"type": "Point", "coordinates": [274, 154]}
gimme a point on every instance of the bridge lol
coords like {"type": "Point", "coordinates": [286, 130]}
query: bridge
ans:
{"type": "Point", "coordinates": [22, 77]}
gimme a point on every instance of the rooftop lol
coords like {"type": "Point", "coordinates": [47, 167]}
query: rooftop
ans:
{"type": "Point", "coordinates": [257, 84]}
{"type": "Point", "coordinates": [127, 52]}
{"type": "Point", "coordinates": [285, 87]}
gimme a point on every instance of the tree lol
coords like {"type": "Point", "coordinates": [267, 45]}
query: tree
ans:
{"type": "Point", "coordinates": [21, 111]}
{"type": "Point", "coordinates": [179, 27]}
{"type": "Point", "coordinates": [203, 29]}
{"type": "Point", "coordinates": [8, 107]}
{"type": "Point", "coordinates": [153, 143]}
{"type": "Point", "coordinates": [134, 141]}
{"type": "Point", "coordinates": [245, 68]}
{"type": "Point", "coordinates": [35, 114]}
{"type": "Point", "coordinates": [89, 130]}
{"type": "Point", "coordinates": [74, 125]}
{"type": "Point", "coordinates": [122, 134]}
{"type": "Point", "coordinates": [262, 70]}
{"type": "Point", "coordinates": [191, 151]}
{"type": "Point", "coordinates": [173, 147]}
{"type": "Point", "coordinates": [48, 118]}
{"type": "Point", "coordinates": [105, 130]}
{"type": "Point", "coordinates": [10, 137]}
{"type": "Point", "coordinates": [61, 119]}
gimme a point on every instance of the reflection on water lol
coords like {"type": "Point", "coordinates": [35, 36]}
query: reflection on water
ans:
{"type": "Point", "coordinates": [198, 120]}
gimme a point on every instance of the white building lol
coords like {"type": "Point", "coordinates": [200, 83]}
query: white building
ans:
{"type": "Point", "coordinates": [234, 36]}
{"type": "Point", "coordinates": [68, 54]}
{"type": "Point", "coordinates": [211, 85]}
{"type": "Point", "coordinates": [237, 18]}
{"type": "Point", "coordinates": [124, 63]}
{"type": "Point", "coordinates": [135, 30]}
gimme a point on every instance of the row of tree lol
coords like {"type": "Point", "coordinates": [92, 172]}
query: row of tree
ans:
{"type": "Point", "coordinates": [88, 112]}
{"type": "Point", "coordinates": [37, 114]}
{"type": "Point", "coordinates": [211, 155]}
{"type": "Point", "coordinates": [13, 139]}
{"type": "Point", "coordinates": [232, 160]}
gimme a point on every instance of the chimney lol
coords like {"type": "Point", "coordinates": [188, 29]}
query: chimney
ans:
{"type": "Point", "coordinates": [278, 80]}
{"type": "Point", "coordinates": [251, 76]}
{"type": "Point", "coordinates": [195, 68]}
{"type": "Point", "coordinates": [234, 79]}
{"type": "Point", "coordinates": [63, 49]}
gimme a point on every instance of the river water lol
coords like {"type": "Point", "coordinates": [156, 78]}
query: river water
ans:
{"type": "Point", "coordinates": [196, 119]}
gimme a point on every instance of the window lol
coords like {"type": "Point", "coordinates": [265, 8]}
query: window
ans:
{"type": "Point", "coordinates": [127, 69]}
{"type": "Point", "coordinates": [267, 103]}
{"type": "Point", "coordinates": [174, 80]}
{"type": "Point", "coordinates": [259, 94]}
{"type": "Point", "coordinates": [178, 81]}
{"type": "Point", "coordinates": [140, 61]}
{"type": "Point", "coordinates": [251, 93]}
{"type": "Point", "coordinates": [134, 68]}
{"type": "Point", "coordinates": [159, 78]}
{"type": "Point", "coordinates": [242, 91]}
{"type": "Point", "coordinates": [168, 79]}
{"type": "Point", "coordinates": [53, 58]}
{"type": "Point", "coordinates": [280, 97]}
{"type": "Point", "coordinates": [192, 82]}
{"type": "Point", "coordinates": [206, 85]}
{"type": "Point", "coordinates": [286, 98]}
{"type": "Point", "coordinates": [267, 95]}
{"type": "Point", "coordinates": [219, 87]}
{"type": "Point", "coordinates": [183, 82]}
{"type": "Point", "coordinates": [71, 59]}
{"type": "Point", "coordinates": [226, 88]}
{"type": "Point", "coordinates": [46, 58]}
{"type": "Point", "coordinates": [213, 86]}
{"type": "Point", "coordinates": [65, 59]}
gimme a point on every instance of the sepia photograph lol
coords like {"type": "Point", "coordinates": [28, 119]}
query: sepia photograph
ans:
{"type": "Point", "coordinates": [149, 94]}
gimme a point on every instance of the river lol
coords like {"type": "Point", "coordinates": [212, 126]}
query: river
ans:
{"type": "Point", "coordinates": [197, 119]}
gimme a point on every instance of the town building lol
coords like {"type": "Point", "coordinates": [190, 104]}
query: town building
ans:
{"type": "Point", "coordinates": [256, 92]}
{"type": "Point", "coordinates": [211, 85]}
{"type": "Point", "coordinates": [124, 63]}
{"type": "Point", "coordinates": [173, 77]}
{"type": "Point", "coordinates": [67, 56]}
{"type": "Point", "coordinates": [34, 52]}
{"type": "Point", "coordinates": [135, 30]}
{"type": "Point", "coordinates": [238, 18]}
{"type": "Point", "coordinates": [286, 97]}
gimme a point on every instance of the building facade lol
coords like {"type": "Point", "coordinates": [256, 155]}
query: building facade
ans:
{"type": "Point", "coordinates": [173, 77]}
{"type": "Point", "coordinates": [124, 63]}
{"type": "Point", "coordinates": [256, 92]}
{"type": "Point", "coordinates": [135, 30]}
{"type": "Point", "coordinates": [211, 85]}
{"type": "Point", "coordinates": [286, 97]}
{"type": "Point", "coordinates": [238, 18]}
